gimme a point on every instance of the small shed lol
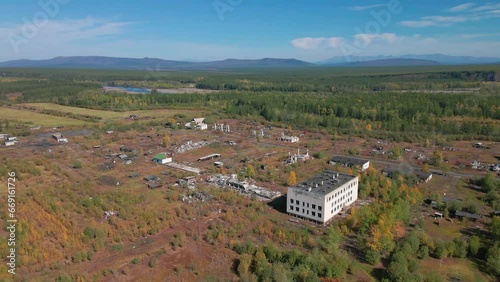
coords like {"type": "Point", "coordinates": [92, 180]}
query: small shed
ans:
{"type": "Point", "coordinates": [162, 158]}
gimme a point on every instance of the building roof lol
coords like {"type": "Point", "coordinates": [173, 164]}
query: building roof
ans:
{"type": "Point", "coordinates": [324, 183]}
{"type": "Point", "coordinates": [422, 174]}
{"type": "Point", "coordinates": [57, 135]}
{"type": "Point", "coordinates": [160, 156]}
{"type": "Point", "coordinates": [151, 178]}
{"type": "Point", "coordinates": [198, 120]}
{"type": "Point", "coordinates": [208, 157]}
{"type": "Point", "coordinates": [468, 215]}
{"type": "Point", "coordinates": [348, 160]}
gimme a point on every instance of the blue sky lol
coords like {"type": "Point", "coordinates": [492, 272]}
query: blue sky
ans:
{"type": "Point", "coordinates": [220, 29]}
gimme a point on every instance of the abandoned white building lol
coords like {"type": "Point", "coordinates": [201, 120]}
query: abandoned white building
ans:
{"type": "Point", "coordinates": [322, 197]}
{"type": "Point", "coordinates": [197, 123]}
{"type": "Point", "coordinates": [350, 162]}
{"type": "Point", "coordinates": [291, 139]}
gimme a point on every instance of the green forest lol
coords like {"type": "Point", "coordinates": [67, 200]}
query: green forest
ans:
{"type": "Point", "coordinates": [396, 103]}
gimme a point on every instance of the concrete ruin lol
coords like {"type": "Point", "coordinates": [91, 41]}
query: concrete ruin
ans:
{"type": "Point", "coordinates": [243, 187]}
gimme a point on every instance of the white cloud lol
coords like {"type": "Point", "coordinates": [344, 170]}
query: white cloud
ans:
{"type": "Point", "coordinates": [311, 43]}
{"type": "Point", "coordinates": [308, 42]}
{"type": "Point", "coordinates": [462, 7]}
{"type": "Point", "coordinates": [468, 12]}
{"type": "Point", "coordinates": [390, 44]}
{"type": "Point", "coordinates": [438, 21]}
{"type": "Point", "coordinates": [487, 7]}
{"type": "Point", "coordinates": [417, 23]}
{"type": "Point", "coordinates": [362, 8]}
{"type": "Point", "coordinates": [476, 35]}
{"type": "Point", "coordinates": [334, 42]}
{"type": "Point", "coordinates": [24, 40]}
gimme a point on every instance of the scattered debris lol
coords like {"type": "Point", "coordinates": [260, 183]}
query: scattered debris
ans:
{"type": "Point", "coordinates": [243, 187]}
{"type": "Point", "coordinates": [108, 214]}
{"type": "Point", "coordinates": [134, 175]}
{"type": "Point", "coordinates": [189, 182]}
{"type": "Point", "coordinates": [476, 165]}
{"type": "Point", "coordinates": [198, 197]}
{"type": "Point", "coordinates": [189, 146]}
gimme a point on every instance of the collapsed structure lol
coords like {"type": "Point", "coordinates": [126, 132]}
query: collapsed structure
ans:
{"type": "Point", "coordinates": [291, 159]}
{"type": "Point", "coordinates": [243, 187]}
{"type": "Point", "coordinates": [197, 123]}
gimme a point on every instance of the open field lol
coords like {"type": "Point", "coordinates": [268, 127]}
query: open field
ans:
{"type": "Point", "coordinates": [38, 119]}
{"type": "Point", "coordinates": [109, 115]}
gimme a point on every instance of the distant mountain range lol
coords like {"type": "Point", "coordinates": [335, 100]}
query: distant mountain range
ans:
{"type": "Point", "coordinates": [393, 63]}
{"type": "Point", "coordinates": [99, 62]}
{"type": "Point", "coordinates": [439, 58]}
{"type": "Point", "coordinates": [153, 64]}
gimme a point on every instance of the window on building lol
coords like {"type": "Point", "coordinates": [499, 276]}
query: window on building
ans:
{"type": "Point", "coordinates": [308, 205]}
{"type": "Point", "coordinates": [303, 210]}
{"type": "Point", "coordinates": [296, 208]}
{"type": "Point", "coordinates": [313, 213]}
{"type": "Point", "coordinates": [319, 215]}
{"type": "Point", "coordinates": [291, 208]}
{"type": "Point", "coordinates": [320, 208]}
{"type": "Point", "coordinates": [314, 206]}
{"type": "Point", "coordinates": [307, 211]}
{"type": "Point", "coordinates": [298, 203]}
{"type": "Point", "coordinates": [332, 211]}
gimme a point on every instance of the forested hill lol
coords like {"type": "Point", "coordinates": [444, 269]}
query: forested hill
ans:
{"type": "Point", "coordinates": [394, 62]}
{"type": "Point", "coordinates": [97, 62]}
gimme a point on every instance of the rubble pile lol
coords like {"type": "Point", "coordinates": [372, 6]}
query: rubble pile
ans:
{"type": "Point", "coordinates": [242, 187]}
{"type": "Point", "coordinates": [189, 146]}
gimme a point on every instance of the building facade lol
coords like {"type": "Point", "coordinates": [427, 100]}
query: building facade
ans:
{"type": "Point", "coordinates": [322, 197]}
